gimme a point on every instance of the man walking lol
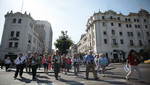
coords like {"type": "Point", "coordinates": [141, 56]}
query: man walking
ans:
{"type": "Point", "coordinates": [56, 59]}
{"type": "Point", "coordinates": [89, 59]}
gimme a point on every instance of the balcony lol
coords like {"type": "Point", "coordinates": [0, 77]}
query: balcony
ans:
{"type": "Point", "coordinates": [114, 44]}
{"type": "Point", "coordinates": [12, 49]}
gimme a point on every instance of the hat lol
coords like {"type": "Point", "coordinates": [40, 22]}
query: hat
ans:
{"type": "Point", "coordinates": [29, 51]}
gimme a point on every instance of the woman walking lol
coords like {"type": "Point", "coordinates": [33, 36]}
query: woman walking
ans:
{"type": "Point", "coordinates": [45, 62]}
{"type": "Point", "coordinates": [103, 62]}
{"type": "Point", "coordinates": [7, 63]}
{"type": "Point", "coordinates": [76, 63]}
{"type": "Point", "coordinates": [96, 63]}
{"type": "Point", "coordinates": [132, 62]}
{"type": "Point", "coordinates": [20, 61]}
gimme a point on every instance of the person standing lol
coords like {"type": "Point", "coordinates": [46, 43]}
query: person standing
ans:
{"type": "Point", "coordinates": [96, 63]}
{"type": "Point", "coordinates": [28, 61]}
{"type": "Point", "coordinates": [68, 63]}
{"type": "Point", "coordinates": [56, 59]}
{"type": "Point", "coordinates": [132, 62]}
{"type": "Point", "coordinates": [7, 63]}
{"type": "Point", "coordinates": [76, 63]}
{"type": "Point", "coordinates": [103, 62]}
{"type": "Point", "coordinates": [64, 66]}
{"type": "Point", "coordinates": [45, 62]}
{"type": "Point", "coordinates": [90, 64]}
{"type": "Point", "coordinates": [19, 65]}
{"type": "Point", "coordinates": [34, 64]}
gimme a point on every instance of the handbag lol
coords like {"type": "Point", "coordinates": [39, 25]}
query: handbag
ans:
{"type": "Point", "coordinates": [126, 68]}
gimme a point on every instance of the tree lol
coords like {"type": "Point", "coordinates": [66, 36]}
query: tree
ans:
{"type": "Point", "coordinates": [63, 43]}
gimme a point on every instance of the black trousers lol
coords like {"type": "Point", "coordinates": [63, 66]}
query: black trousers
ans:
{"type": "Point", "coordinates": [34, 69]}
{"type": "Point", "coordinates": [56, 69]}
{"type": "Point", "coordinates": [19, 68]}
{"type": "Point", "coordinates": [45, 66]}
{"type": "Point", "coordinates": [7, 66]}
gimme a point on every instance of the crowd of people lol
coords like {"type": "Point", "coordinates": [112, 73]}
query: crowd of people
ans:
{"type": "Point", "coordinates": [63, 63]}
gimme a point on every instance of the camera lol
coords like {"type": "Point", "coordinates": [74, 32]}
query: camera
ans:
{"type": "Point", "coordinates": [92, 61]}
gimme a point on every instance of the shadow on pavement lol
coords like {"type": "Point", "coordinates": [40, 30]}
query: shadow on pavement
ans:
{"type": "Point", "coordinates": [23, 79]}
{"type": "Point", "coordinates": [70, 82]}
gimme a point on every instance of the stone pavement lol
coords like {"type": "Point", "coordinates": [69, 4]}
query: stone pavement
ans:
{"type": "Point", "coordinates": [115, 75]}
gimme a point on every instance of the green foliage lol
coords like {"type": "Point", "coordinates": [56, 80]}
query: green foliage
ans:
{"type": "Point", "coordinates": [63, 45]}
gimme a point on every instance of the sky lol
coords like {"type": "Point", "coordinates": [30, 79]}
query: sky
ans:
{"type": "Point", "coordinates": [70, 15]}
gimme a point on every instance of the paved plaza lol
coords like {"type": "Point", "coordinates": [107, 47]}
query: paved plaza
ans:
{"type": "Point", "coordinates": [115, 75]}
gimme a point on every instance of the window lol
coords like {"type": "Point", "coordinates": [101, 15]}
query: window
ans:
{"type": "Point", "coordinates": [130, 25]}
{"type": "Point", "coordinates": [14, 20]}
{"type": "Point", "coordinates": [120, 33]}
{"type": "Point", "coordinates": [128, 33]}
{"type": "Point", "coordinates": [147, 33]}
{"type": "Point", "coordinates": [129, 20]}
{"type": "Point", "coordinates": [138, 34]}
{"type": "Point", "coordinates": [119, 24]}
{"type": "Point", "coordinates": [131, 33]}
{"type": "Point", "coordinates": [127, 25]}
{"type": "Point", "coordinates": [103, 17]}
{"type": "Point", "coordinates": [145, 26]}
{"type": "Point", "coordinates": [126, 19]}
{"type": "Point", "coordinates": [140, 43]}
{"type": "Point", "coordinates": [31, 25]}
{"type": "Point", "coordinates": [113, 32]}
{"type": "Point", "coordinates": [135, 26]}
{"type": "Point", "coordinates": [112, 24]}
{"type": "Point", "coordinates": [137, 20]}
{"type": "Point", "coordinates": [17, 34]}
{"type": "Point", "coordinates": [111, 17]}
{"type": "Point", "coordinates": [103, 23]}
{"type": "Point", "coordinates": [10, 44]}
{"type": "Point", "coordinates": [121, 41]}
{"type": "Point", "coordinates": [16, 44]}
{"type": "Point", "coordinates": [114, 41]}
{"type": "Point", "coordinates": [12, 34]}
{"type": "Point", "coordinates": [104, 32]}
{"type": "Point", "coordinates": [138, 26]}
{"type": "Point", "coordinates": [19, 21]}
{"type": "Point", "coordinates": [118, 18]}
{"type": "Point", "coordinates": [144, 20]}
{"type": "Point", "coordinates": [131, 43]}
{"type": "Point", "coordinates": [105, 41]}
{"type": "Point", "coordinates": [134, 20]}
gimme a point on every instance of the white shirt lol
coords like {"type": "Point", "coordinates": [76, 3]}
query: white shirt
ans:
{"type": "Point", "coordinates": [7, 62]}
{"type": "Point", "coordinates": [21, 60]}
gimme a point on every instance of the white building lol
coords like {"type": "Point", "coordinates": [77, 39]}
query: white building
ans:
{"type": "Point", "coordinates": [20, 35]}
{"type": "Point", "coordinates": [115, 34]}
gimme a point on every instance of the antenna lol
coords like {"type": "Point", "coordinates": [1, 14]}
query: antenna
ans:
{"type": "Point", "coordinates": [22, 6]}
{"type": "Point", "coordinates": [140, 6]}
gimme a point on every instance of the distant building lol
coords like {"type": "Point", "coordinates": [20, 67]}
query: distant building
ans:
{"type": "Point", "coordinates": [115, 34]}
{"type": "Point", "coordinates": [48, 34]}
{"type": "Point", "coordinates": [21, 34]}
{"type": "Point", "coordinates": [73, 49]}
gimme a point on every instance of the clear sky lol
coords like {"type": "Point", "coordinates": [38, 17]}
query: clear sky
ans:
{"type": "Point", "coordinates": [70, 15]}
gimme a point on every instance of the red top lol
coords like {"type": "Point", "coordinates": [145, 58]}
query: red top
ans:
{"type": "Point", "coordinates": [43, 60]}
{"type": "Point", "coordinates": [68, 61]}
{"type": "Point", "coordinates": [132, 60]}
